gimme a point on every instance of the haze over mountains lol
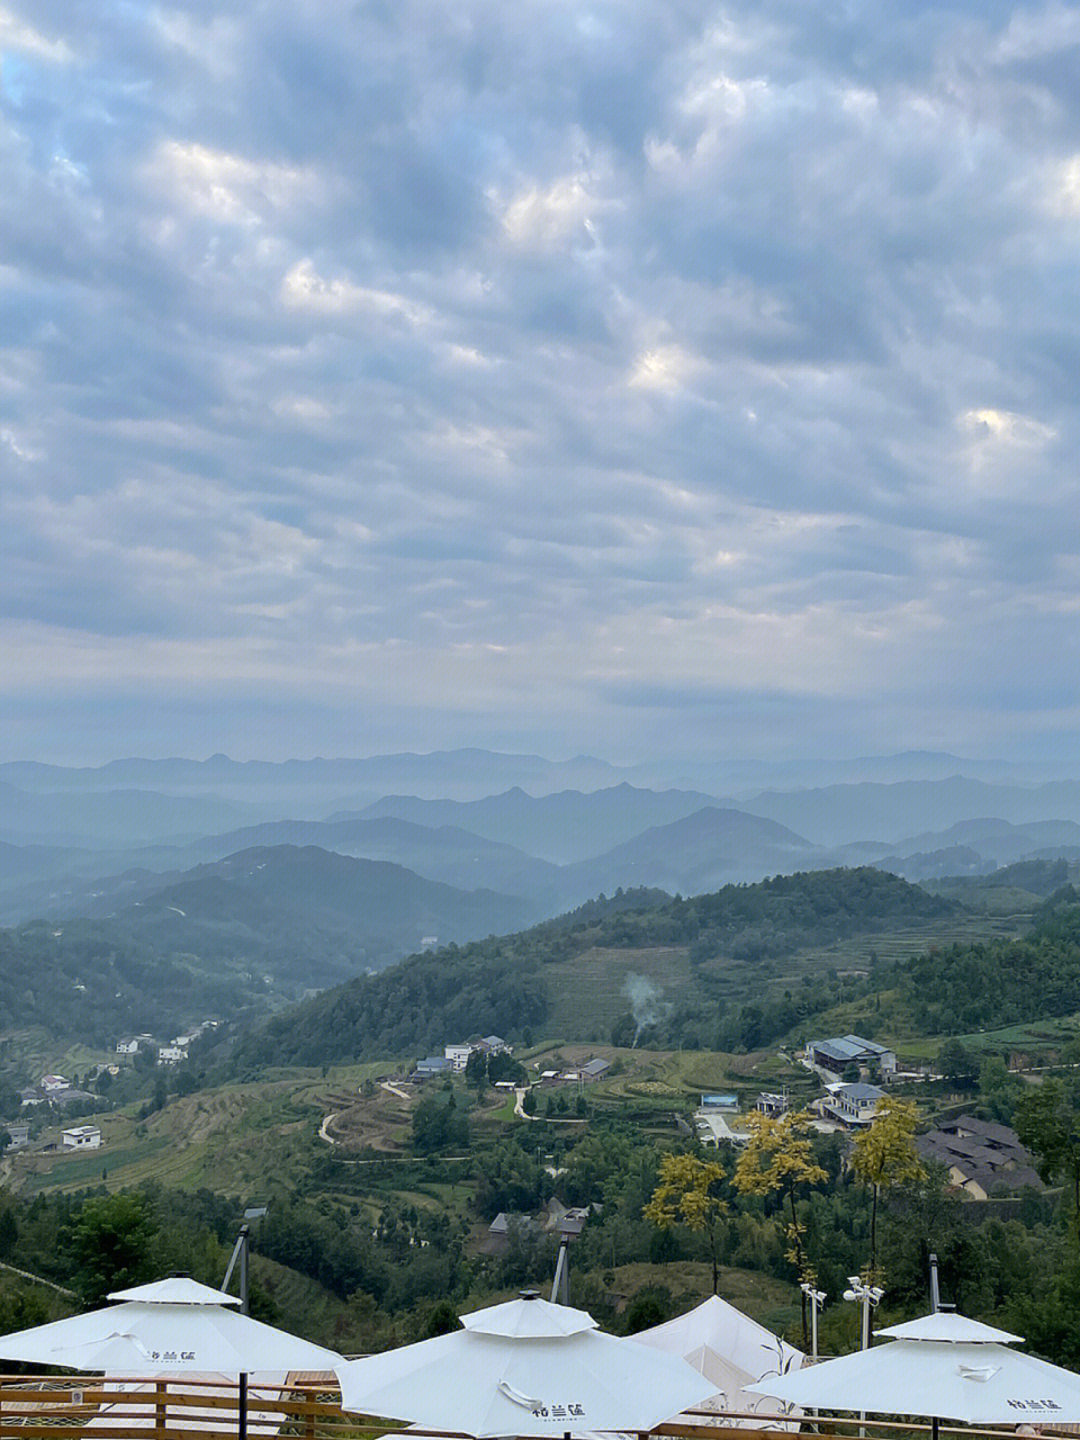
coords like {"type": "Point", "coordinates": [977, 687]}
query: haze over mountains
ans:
{"type": "Point", "coordinates": [95, 842]}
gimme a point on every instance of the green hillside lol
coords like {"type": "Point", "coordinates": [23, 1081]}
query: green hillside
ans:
{"type": "Point", "coordinates": [227, 939]}
{"type": "Point", "coordinates": [677, 972]}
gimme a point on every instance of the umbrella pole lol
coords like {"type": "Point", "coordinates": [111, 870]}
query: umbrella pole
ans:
{"type": "Point", "coordinates": [934, 1428]}
{"type": "Point", "coordinates": [242, 1406]}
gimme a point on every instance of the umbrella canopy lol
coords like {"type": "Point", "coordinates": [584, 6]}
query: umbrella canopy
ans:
{"type": "Point", "coordinates": [978, 1381]}
{"type": "Point", "coordinates": [523, 1368]}
{"type": "Point", "coordinates": [731, 1351]}
{"type": "Point", "coordinates": [947, 1325]}
{"type": "Point", "coordinates": [174, 1326]}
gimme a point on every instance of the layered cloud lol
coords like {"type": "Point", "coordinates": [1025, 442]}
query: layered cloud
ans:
{"type": "Point", "coordinates": [601, 376]}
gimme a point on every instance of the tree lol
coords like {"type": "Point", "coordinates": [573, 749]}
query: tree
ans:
{"type": "Point", "coordinates": [884, 1155]}
{"type": "Point", "coordinates": [686, 1194]}
{"type": "Point", "coordinates": [476, 1069]}
{"type": "Point", "coordinates": [502, 1066]}
{"type": "Point", "coordinates": [1047, 1122]}
{"type": "Point", "coordinates": [956, 1062]}
{"type": "Point", "coordinates": [9, 1233]}
{"type": "Point", "coordinates": [438, 1124]}
{"type": "Point", "coordinates": [780, 1157]}
{"type": "Point", "coordinates": [111, 1245]}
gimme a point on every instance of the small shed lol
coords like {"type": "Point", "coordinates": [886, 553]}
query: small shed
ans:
{"type": "Point", "coordinates": [720, 1101]}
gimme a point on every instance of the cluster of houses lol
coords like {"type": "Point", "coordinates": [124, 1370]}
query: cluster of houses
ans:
{"type": "Point", "coordinates": [554, 1218]}
{"type": "Point", "coordinates": [850, 1102]}
{"type": "Point", "coordinates": [170, 1052]}
{"type": "Point", "coordinates": [982, 1157]}
{"type": "Point", "coordinates": [54, 1090]}
{"type": "Point", "coordinates": [591, 1070]}
{"type": "Point", "coordinates": [76, 1137]}
{"type": "Point", "coordinates": [455, 1057]}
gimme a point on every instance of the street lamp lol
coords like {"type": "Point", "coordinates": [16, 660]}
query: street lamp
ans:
{"type": "Point", "coordinates": [869, 1296]}
{"type": "Point", "coordinates": [817, 1300]}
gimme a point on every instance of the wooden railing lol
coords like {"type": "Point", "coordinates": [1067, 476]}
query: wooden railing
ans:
{"type": "Point", "coordinates": [309, 1408]}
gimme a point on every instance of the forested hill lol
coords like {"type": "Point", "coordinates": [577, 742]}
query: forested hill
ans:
{"type": "Point", "coordinates": [963, 988]}
{"type": "Point", "coordinates": [504, 985]}
{"type": "Point", "coordinates": [227, 940]}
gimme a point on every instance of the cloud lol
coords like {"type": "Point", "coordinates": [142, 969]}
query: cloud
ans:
{"type": "Point", "coordinates": [304, 289]}
{"type": "Point", "coordinates": [18, 35]}
{"type": "Point", "coordinates": [543, 218]}
{"type": "Point", "coordinates": [563, 371]}
{"type": "Point", "coordinates": [226, 187]}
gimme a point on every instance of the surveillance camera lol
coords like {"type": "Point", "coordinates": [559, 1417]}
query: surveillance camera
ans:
{"type": "Point", "coordinates": [850, 1295]}
{"type": "Point", "coordinates": [854, 1281]}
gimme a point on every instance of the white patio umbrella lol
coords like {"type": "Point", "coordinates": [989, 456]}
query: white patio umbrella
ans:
{"type": "Point", "coordinates": [171, 1327]}
{"type": "Point", "coordinates": [731, 1351]}
{"type": "Point", "coordinates": [943, 1366]}
{"type": "Point", "coordinates": [523, 1368]}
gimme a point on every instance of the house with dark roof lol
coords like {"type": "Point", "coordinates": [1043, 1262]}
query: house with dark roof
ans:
{"type": "Point", "coordinates": [982, 1157]}
{"type": "Point", "coordinates": [492, 1045]}
{"type": "Point", "coordinates": [595, 1069]}
{"type": "Point", "coordinates": [834, 1056]}
{"type": "Point", "coordinates": [508, 1226]}
{"type": "Point", "coordinates": [431, 1066]}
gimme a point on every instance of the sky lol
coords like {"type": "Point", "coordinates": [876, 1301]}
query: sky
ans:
{"type": "Point", "coordinates": [619, 378]}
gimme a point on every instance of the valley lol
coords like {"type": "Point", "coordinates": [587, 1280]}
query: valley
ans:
{"type": "Point", "coordinates": [662, 983]}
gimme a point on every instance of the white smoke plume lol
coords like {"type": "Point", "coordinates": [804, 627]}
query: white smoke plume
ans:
{"type": "Point", "coordinates": [646, 1003]}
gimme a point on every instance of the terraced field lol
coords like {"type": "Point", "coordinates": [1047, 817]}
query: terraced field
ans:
{"type": "Point", "coordinates": [239, 1138]}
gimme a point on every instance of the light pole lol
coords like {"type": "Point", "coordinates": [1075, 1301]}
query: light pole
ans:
{"type": "Point", "coordinates": [869, 1297]}
{"type": "Point", "coordinates": [817, 1300]}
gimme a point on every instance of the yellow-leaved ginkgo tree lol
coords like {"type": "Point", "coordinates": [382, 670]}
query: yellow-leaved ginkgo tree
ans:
{"type": "Point", "coordinates": [779, 1157]}
{"type": "Point", "coordinates": [687, 1195]}
{"type": "Point", "coordinates": [884, 1155]}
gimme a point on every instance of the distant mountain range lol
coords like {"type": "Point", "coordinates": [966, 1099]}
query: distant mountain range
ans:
{"type": "Point", "coordinates": [699, 852]}
{"type": "Point", "coordinates": [840, 814]}
{"type": "Point", "coordinates": [562, 828]}
{"type": "Point", "coordinates": [111, 817]}
{"type": "Point", "coordinates": [549, 852]}
{"type": "Point", "coordinates": [464, 774]}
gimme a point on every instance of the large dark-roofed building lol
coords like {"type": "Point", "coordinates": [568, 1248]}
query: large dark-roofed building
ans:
{"type": "Point", "coordinates": [837, 1054]}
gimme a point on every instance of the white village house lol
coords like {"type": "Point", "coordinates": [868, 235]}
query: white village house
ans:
{"type": "Point", "coordinates": [132, 1044]}
{"type": "Point", "coordinates": [853, 1105]}
{"type": "Point", "coordinates": [81, 1137]}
